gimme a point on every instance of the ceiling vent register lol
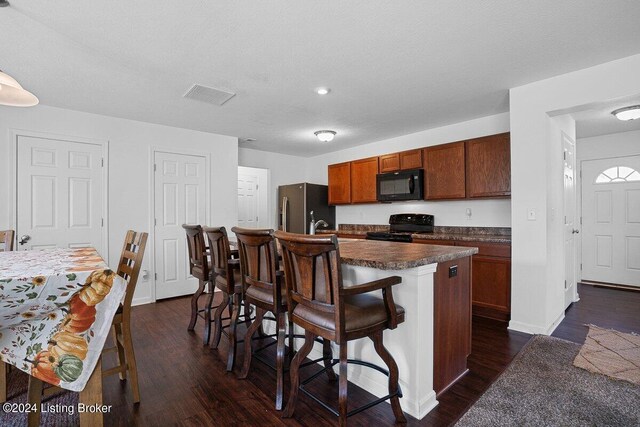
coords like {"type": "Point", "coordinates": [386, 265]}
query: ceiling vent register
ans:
{"type": "Point", "coordinates": [209, 95]}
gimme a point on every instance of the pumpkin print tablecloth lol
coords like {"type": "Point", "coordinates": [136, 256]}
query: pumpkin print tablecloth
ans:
{"type": "Point", "coordinates": [56, 309]}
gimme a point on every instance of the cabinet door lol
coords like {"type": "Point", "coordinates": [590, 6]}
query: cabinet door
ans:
{"type": "Point", "coordinates": [444, 171]}
{"type": "Point", "coordinates": [389, 163]}
{"type": "Point", "coordinates": [491, 286]}
{"type": "Point", "coordinates": [489, 166]}
{"type": "Point", "coordinates": [363, 180]}
{"type": "Point", "coordinates": [411, 159]}
{"type": "Point", "coordinates": [339, 183]}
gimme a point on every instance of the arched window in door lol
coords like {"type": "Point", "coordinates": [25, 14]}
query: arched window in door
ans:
{"type": "Point", "coordinates": [618, 174]}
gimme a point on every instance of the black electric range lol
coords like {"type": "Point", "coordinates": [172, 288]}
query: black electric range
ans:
{"type": "Point", "coordinates": [402, 226]}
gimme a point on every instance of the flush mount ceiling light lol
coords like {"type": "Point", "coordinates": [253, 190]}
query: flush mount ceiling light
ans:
{"type": "Point", "coordinates": [323, 90]}
{"type": "Point", "coordinates": [13, 95]}
{"type": "Point", "coordinates": [627, 113]}
{"type": "Point", "coordinates": [325, 135]}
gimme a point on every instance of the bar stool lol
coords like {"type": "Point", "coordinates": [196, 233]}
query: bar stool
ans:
{"type": "Point", "coordinates": [264, 288]}
{"type": "Point", "coordinates": [320, 304]}
{"type": "Point", "coordinates": [226, 277]}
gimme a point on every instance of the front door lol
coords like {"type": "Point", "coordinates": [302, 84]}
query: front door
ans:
{"type": "Point", "coordinates": [59, 194]}
{"type": "Point", "coordinates": [180, 198]}
{"type": "Point", "coordinates": [570, 226]}
{"type": "Point", "coordinates": [611, 220]}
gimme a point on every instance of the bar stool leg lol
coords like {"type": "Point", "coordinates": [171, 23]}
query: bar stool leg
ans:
{"type": "Point", "coordinates": [234, 308]}
{"type": "Point", "coordinates": [294, 373]}
{"type": "Point", "coordinates": [280, 359]}
{"type": "Point", "coordinates": [207, 314]}
{"type": "Point", "coordinates": [342, 386]}
{"type": "Point", "coordinates": [194, 305]}
{"type": "Point", "coordinates": [255, 325]}
{"type": "Point", "coordinates": [393, 375]}
{"type": "Point", "coordinates": [217, 331]}
{"type": "Point", "coordinates": [34, 396]}
{"type": "Point", "coordinates": [327, 354]}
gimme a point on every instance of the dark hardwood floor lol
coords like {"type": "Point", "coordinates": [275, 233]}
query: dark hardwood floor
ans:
{"type": "Point", "coordinates": [185, 383]}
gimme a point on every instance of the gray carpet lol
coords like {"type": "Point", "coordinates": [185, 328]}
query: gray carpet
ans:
{"type": "Point", "coordinates": [541, 387]}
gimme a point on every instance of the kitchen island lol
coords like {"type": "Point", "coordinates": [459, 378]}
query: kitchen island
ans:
{"type": "Point", "coordinates": [436, 295]}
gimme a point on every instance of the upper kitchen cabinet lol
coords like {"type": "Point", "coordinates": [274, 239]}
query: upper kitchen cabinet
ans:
{"type": "Point", "coordinates": [389, 162]}
{"type": "Point", "coordinates": [405, 160]}
{"type": "Point", "coordinates": [411, 159]}
{"type": "Point", "coordinates": [444, 171]}
{"type": "Point", "coordinates": [489, 166]}
{"type": "Point", "coordinates": [363, 180]}
{"type": "Point", "coordinates": [340, 183]}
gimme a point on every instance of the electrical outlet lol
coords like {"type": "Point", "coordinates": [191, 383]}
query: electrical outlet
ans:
{"type": "Point", "coordinates": [468, 213]}
{"type": "Point", "coordinates": [453, 271]}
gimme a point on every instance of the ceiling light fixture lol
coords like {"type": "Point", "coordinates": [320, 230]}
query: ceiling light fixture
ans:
{"type": "Point", "coordinates": [325, 135]}
{"type": "Point", "coordinates": [4, 3]}
{"type": "Point", "coordinates": [13, 95]}
{"type": "Point", "coordinates": [627, 113]}
{"type": "Point", "coordinates": [323, 90]}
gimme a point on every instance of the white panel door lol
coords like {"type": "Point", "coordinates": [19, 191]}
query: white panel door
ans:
{"type": "Point", "coordinates": [247, 200]}
{"type": "Point", "coordinates": [180, 198]}
{"type": "Point", "coordinates": [59, 193]}
{"type": "Point", "coordinates": [611, 220]}
{"type": "Point", "coordinates": [570, 226]}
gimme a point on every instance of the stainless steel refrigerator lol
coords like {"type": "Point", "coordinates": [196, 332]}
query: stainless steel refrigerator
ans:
{"type": "Point", "coordinates": [296, 201]}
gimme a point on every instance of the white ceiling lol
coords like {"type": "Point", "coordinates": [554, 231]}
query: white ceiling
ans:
{"type": "Point", "coordinates": [393, 67]}
{"type": "Point", "coordinates": [597, 119]}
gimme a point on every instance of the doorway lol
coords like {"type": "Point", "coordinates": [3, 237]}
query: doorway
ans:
{"type": "Point", "coordinates": [180, 196]}
{"type": "Point", "coordinates": [61, 189]}
{"type": "Point", "coordinates": [253, 197]}
{"type": "Point", "coordinates": [611, 220]}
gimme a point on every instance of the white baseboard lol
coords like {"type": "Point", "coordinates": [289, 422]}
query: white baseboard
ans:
{"type": "Point", "coordinates": [536, 329]}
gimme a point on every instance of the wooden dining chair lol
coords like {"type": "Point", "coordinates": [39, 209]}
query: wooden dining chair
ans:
{"type": "Point", "coordinates": [6, 240]}
{"type": "Point", "coordinates": [129, 269]}
{"type": "Point", "coordinates": [320, 304]}
{"type": "Point", "coordinates": [226, 277]}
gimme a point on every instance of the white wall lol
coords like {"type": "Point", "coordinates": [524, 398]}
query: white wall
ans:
{"type": "Point", "coordinates": [612, 145]}
{"type": "Point", "coordinates": [129, 168]}
{"type": "Point", "coordinates": [485, 213]}
{"type": "Point", "coordinates": [534, 164]}
{"type": "Point", "coordinates": [283, 169]}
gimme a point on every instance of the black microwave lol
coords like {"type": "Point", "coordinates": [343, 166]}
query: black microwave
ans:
{"type": "Point", "coordinates": [401, 185]}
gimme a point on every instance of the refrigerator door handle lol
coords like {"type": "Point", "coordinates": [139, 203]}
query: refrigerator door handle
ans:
{"type": "Point", "coordinates": [285, 201]}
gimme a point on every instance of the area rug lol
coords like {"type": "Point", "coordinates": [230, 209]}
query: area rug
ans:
{"type": "Point", "coordinates": [541, 387]}
{"type": "Point", "coordinates": [612, 353]}
{"type": "Point", "coordinates": [60, 408]}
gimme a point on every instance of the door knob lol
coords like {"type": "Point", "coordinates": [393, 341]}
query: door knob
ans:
{"type": "Point", "coordinates": [24, 239]}
{"type": "Point", "coordinates": [575, 231]}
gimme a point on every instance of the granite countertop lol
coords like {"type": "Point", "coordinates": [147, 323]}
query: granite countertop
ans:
{"type": "Point", "coordinates": [398, 256]}
{"type": "Point", "coordinates": [463, 234]}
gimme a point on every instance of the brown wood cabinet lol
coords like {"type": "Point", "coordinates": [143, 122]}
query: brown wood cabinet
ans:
{"type": "Point", "coordinates": [363, 180]}
{"type": "Point", "coordinates": [491, 280]}
{"type": "Point", "coordinates": [491, 277]}
{"type": "Point", "coordinates": [340, 183]}
{"type": "Point", "coordinates": [488, 170]}
{"type": "Point", "coordinates": [444, 171]}
{"type": "Point", "coordinates": [389, 162]}
{"type": "Point", "coordinates": [452, 323]}
{"type": "Point", "coordinates": [411, 159]}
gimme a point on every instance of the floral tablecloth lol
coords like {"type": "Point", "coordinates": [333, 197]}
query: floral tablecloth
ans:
{"type": "Point", "coordinates": [56, 309]}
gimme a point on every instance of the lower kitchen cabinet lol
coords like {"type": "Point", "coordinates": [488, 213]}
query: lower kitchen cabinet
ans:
{"type": "Point", "coordinates": [490, 277]}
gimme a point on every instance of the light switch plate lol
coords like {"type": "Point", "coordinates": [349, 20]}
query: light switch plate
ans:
{"type": "Point", "coordinates": [531, 215]}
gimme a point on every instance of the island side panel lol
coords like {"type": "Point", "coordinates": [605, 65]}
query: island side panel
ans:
{"type": "Point", "coordinates": [452, 319]}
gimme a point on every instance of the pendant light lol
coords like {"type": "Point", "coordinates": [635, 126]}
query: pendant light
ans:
{"type": "Point", "coordinates": [13, 95]}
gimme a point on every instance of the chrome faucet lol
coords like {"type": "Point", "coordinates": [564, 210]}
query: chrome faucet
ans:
{"type": "Point", "coordinates": [313, 225]}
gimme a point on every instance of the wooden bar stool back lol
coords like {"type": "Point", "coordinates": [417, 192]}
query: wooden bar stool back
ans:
{"type": "Point", "coordinates": [6, 240]}
{"type": "Point", "coordinates": [227, 279]}
{"type": "Point", "coordinates": [319, 303]}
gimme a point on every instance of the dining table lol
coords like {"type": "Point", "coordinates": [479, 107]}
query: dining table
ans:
{"type": "Point", "coordinates": [56, 311]}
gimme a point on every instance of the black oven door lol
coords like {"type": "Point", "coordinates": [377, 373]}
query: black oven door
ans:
{"type": "Point", "coordinates": [402, 185]}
